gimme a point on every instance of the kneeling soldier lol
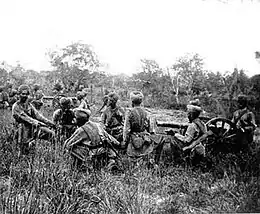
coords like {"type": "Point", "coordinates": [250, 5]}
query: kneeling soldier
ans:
{"type": "Point", "coordinates": [90, 139]}
{"type": "Point", "coordinates": [196, 129]}
{"type": "Point", "coordinates": [113, 117]}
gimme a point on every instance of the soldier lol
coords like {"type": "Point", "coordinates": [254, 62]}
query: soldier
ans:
{"type": "Point", "coordinates": [37, 101]}
{"type": "Point", "coordinates": [245, 123]}
{"type": "Point", "coordinates": [137, 128]}
{"type": "Point", "coordinates": [196, 129]}
{"type": "Point", "coordinates": [90, 139]}
{"type": "Point", "coordinates": [83, 104]}
{"type": "Point", "coordinates": [113, 117]}
{"type": "Point", "coordinates": [13, 97]}
{"type": "Point", "coordinates": [35, 89]}
{"type": "Point", "coordinates": [64, 118]}
{"type": "Point", "coordinates": [29, 122]}
{"type": "Point", "coordinates": [3, 98]}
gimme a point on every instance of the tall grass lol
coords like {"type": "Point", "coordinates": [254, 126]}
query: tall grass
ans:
{"type": "Point", "coordinates": [46, 182]}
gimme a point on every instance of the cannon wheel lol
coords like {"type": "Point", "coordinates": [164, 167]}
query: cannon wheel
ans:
{"type": "Point", "coordinates": [224, 133]}
{"type": "Point", "coordinates": [56, 101]}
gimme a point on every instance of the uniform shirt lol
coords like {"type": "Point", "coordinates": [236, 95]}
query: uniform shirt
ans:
{"type": "Point", "coordinates": [246, 121]}
{"type": "Point", "coordinates": [26, 113]}
{"type": "Point", "coordinates": [63, 117]}
{"type": "Point", "coordinates": [136, 120]}
{"type": "Point", "coordinates": [112, 118]}
{"type": "Point", "coordinates": [91, 134]}
{"type": "Point", "coordinates": [194, 131]}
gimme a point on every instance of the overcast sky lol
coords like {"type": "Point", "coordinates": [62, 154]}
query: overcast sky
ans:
{"type": "Point", "coordinates": [124, 31]}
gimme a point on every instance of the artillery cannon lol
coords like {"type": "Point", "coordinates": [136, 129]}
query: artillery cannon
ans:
{"type": "Point", "coordinates": [220, 136]}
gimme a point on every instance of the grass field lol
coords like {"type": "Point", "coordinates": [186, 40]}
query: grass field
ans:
{"type": "Point", "coordinates": [45, 182]}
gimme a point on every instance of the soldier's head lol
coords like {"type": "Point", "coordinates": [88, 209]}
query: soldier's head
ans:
{"type": "Point", "coordinates": [136, 98]}
{"type": "Point", "coordinates": [80, 95]}
{"type": "Point", "coordinates": [65, 103]}
{"type": "Point", "coordinates": [82, 116]}
{"type": "Point", "coordinates": [38, 95]}
{"type": "Point", "coordinates": [36, 87]}
{"type": "Point", "coordinates": [193, 112]}
{"type": "Point", "coordinates": [23, 92]}
{"type": "Point", "coordinates": [242, 101]}
{"type": "Point", "coordinates": [112, 99]}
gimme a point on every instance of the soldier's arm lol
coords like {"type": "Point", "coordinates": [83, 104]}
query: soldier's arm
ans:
{"type": "Point", "coordinates": [40, 117]}
{"type": "Point", "coordinates": [103, 118]}
{"type": "Point", "coordinates": [20, 116]}
{"type": "Point", "coordinates": [76, 137]}
{"type": "Point", "coordinates": [189, 135]}
{"type": "Point", "coordinates": [55, 117]}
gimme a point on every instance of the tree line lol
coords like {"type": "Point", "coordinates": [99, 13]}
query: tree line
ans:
{"type": "Point", "coordinates": [167, 87]}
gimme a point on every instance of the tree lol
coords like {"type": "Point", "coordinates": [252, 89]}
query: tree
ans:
{"type": "Point", "coordinates": [148, 76]}
{"type": "Point", "coordinates": [187, 73]}
{"type": "Point", "coordinates": [153, 81]}
{"type": "Point", "coordinates": [74, 64]}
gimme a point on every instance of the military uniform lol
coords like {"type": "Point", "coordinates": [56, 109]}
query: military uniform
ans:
{"type": "Point", "coordinates": [137, 129]}
{"type": "Point", "coordinates": [113, 119]}
{"type": "Point", "coordinates": [244, 120]}
{"type": "Point", "coordinates": [64, 120]}
{"type": "Point", "coordinates": [90, 140]}
{"type": "Point", "coordinates": [195, 130]}
{"type": "Point", "coordinates": [12, 97]}
{"type": "Point", "coordinates": [82, 102]}
{"type": "Point", "coordinates": [27, 119]}
{"type": "Point", "coordinates": [37, 101]}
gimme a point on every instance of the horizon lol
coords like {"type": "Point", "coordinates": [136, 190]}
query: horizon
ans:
{"type": "Point", "coordinates": [121, 34]}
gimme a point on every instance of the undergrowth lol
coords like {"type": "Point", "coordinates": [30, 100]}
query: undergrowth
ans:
{"type": "Point", "coordinates": [46, 182]}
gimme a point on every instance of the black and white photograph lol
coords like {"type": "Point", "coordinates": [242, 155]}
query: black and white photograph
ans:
{"type": "Point", "coordinates": [129, 107]}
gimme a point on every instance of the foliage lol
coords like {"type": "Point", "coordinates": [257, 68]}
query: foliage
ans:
{"type": "Point", "coordinates": [189, 74]}
{"type": "Point", "coordinates": [74, 64]}
{"type": "Point", "coordinates": [170, 87]}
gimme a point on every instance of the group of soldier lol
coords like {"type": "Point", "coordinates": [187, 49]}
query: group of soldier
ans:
{"type": "Point", "coordinates": [9, 95]}
{"type": "Point", "coordinates": [119, 131]}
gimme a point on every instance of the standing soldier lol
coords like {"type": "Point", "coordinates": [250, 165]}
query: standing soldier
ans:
{"type": "Point", "coordinates": [90, 139]}
{"type": "Point", "coordinates": [29, 122]}
{"type": "Point", "coordinates": [64, 118]}
{"type": "Point", "coordinates": [113, 117]}
{"type": "Point", "coordinates": [244, 120]}
{"type": "Point", "coordinates": [82, 103]}
{"type": "Point", "coordinates": [137, 128]}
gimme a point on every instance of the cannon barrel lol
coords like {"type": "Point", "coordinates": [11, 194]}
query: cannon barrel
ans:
{"type": "Point", "coordinates": [171, 124]}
